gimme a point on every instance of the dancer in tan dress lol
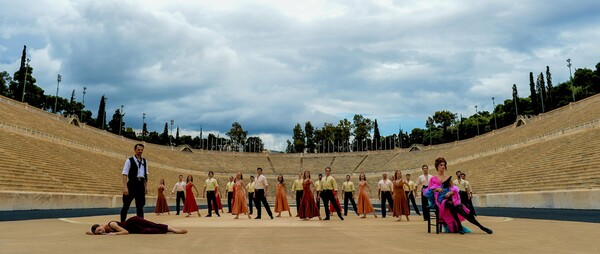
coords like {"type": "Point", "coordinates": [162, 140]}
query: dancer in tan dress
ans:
{"type": "Point", "coordinates": [400, 204]}
{"type": "Point", "coordinates": [281, 203]}
{"type": "Point", "coordinates": [364, 203]}
{"type": "Point", "coordinates": [161, 200]}
{"type": "Point", "coordinates": [239, 202]}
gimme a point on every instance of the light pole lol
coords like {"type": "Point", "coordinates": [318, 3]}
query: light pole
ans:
{"type": "Point", "coordinates": [120, 120]}
{"type": "Point", "coordinates": [477, 119]}
{"type": "Point", "coordinates": [494, 112]}
{"type": "Point", "coordinates": [571, 75]}
{"type": "Point", "coordinates": [25, 81]}
{"type": "Point", "coordinates": [171, 135]}
{"type": "Point", "coordinates": [143, 124]}
{"type": "Point", "coordinates": [58, 79]}
{"type": "Point", "coordinates": [82, 103]}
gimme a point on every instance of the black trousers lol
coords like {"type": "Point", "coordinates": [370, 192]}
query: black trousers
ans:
{"type": "Point", "coordinates": [348, 196]}
{"type": "Point", "coordinates": [180, 197]}
{"type": "Point", "coordinates": [298, 199]}
{"type": "Point", "coordinates": [327, 196]}
{"type": "Point", "coordinates": [318, 200]}
{"type": "Point", "coordinates": [425, 205]}
{"type": "Point", "coordinates": [251, 200]}
{"type": "Point", "coordinates": [260, 198]}
{"type": "Point", "coordinates": [455, 210]}
{"type": "Point", "coordinates": [386, 196]}
{"type": "Point", "coordinates": [138, 192]}
{"type": "Point", "coordinates": [211, 198]}
{"type": "Point", "coordinates": [411, 198]}
{"type": "Point", "coordinates": [229, 199]}
{"type": "Point", "coordinates": [464, 199]}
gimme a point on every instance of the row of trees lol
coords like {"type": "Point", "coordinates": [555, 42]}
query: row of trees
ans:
{"type": "Point", "coordinates": [336, 138]}
{"type": "Point", "coordinates": [445, 126]}
{"type": "Point", "coordinates": [23, 81]}
{"type": "Point", "coordinates": [22, 87]}
{"type": "Point", "coordinates": [237, 140]}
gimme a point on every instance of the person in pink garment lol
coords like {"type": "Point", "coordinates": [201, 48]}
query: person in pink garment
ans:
{"type": "Point", "coordinates": [444, 194]}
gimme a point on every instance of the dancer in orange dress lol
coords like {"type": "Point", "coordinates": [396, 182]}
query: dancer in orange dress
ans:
{"type": "Point", "coordinates": [400, 204]}
{"type": "Point", "coordinates": [161, 200]}
{"type": "Point", "coordinates": [364, 203]}
{"type": "Point", "coordinates": [308, 206]}
{"type": "Point", "coordinates": [281, 203]}
{"type": "Point", "coordinates": [190, 204]}
{"type": "Point", "coordinates": [239, 201]}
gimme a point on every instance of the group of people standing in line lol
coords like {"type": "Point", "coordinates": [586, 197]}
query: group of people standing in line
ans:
{"type": "Point", "coordinates": [451, 198]}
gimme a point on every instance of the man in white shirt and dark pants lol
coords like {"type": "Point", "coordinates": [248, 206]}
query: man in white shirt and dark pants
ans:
{"type": "Point", "coordinates": [180, 189]}
{"type": "Point", "coordinates": [260, 194]}
{"type": "Point", "coordinates": [385, 193]}
{"type": "Point", "coordinates": [135, 177]}
{"type": "Point", "coordinates": [423, 182]}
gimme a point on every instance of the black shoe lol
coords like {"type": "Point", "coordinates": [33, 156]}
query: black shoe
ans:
{"type": "Point", "coordinates": [487, 230]}
{"type": "Point", "coordinates": [218, 215]}
{"type": "Point", "coordinates": [177, 214]}
{"type": "Point", "coordinates": [271, 217]}
{"type": "Point", "coordinates": [257, 218]}
{"type": "Point", "coordinates": [208, 215]}
{"type": "Point", "coordinates": [326, 218]}
{"type": "Point", "coordinates": [341, 218]}
{"type": "Point", "coordinates": [461, 231]}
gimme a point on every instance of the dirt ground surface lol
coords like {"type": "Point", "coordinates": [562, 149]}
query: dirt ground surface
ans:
{"type": "Point", "coordinates": [291, 235]}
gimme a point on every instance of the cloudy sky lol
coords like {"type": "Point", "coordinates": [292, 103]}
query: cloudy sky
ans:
{"type": "Point", "coordinates": [271, 64]}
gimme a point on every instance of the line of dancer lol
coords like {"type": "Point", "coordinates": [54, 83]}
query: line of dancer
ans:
{"type": "Point", "coordinates": [396, 193]}
{"type": "Point", "coordinates": [452, 199]}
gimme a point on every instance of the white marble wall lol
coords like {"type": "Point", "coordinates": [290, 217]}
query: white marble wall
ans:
{"type": "Point", "coordinates": [12, 200]}
{"type": "Point", "coordinates": [570, 199]}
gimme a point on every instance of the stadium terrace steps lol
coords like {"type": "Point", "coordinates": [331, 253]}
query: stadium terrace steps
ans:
{"type": "Point", "coordinates": [316, 163]}
{"type": "Point", "coordinates": [553, 151]}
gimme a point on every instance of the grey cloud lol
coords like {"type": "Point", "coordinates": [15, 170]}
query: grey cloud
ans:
{"type": "Point", "coordinates": [268, 69]}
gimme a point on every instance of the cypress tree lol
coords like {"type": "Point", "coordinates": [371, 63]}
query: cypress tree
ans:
{"type": "Point", "coordinates": [533, 96]}
{"type": "Point", "coordinates": [101, 120]}
{"type": "Point", "coordinates": [541, 88]}
{"type": "Point", "coordinates": [376, 136]}
{"type": "Point", "coordinates": [549, 89]}
{"type": "Point", "coordinates": [165, 135]}
{"type": "Point", "coordinates": [177, 136]}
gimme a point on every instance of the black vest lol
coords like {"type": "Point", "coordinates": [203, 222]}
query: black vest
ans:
{"type": "Point", "coordinates": [133, 169]}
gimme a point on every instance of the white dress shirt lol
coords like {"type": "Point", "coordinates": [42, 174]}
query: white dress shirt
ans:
{"type": "Point", "coordinates": [261, 182]}
{"type": "Point", "coordinates": [385, 185]}
{"type": "Point", "coordinates": [179, 186]}
{"type": "Point", "coordinates": [422, 181]}
{"type": "Point", "coordinates": [140, 164]}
